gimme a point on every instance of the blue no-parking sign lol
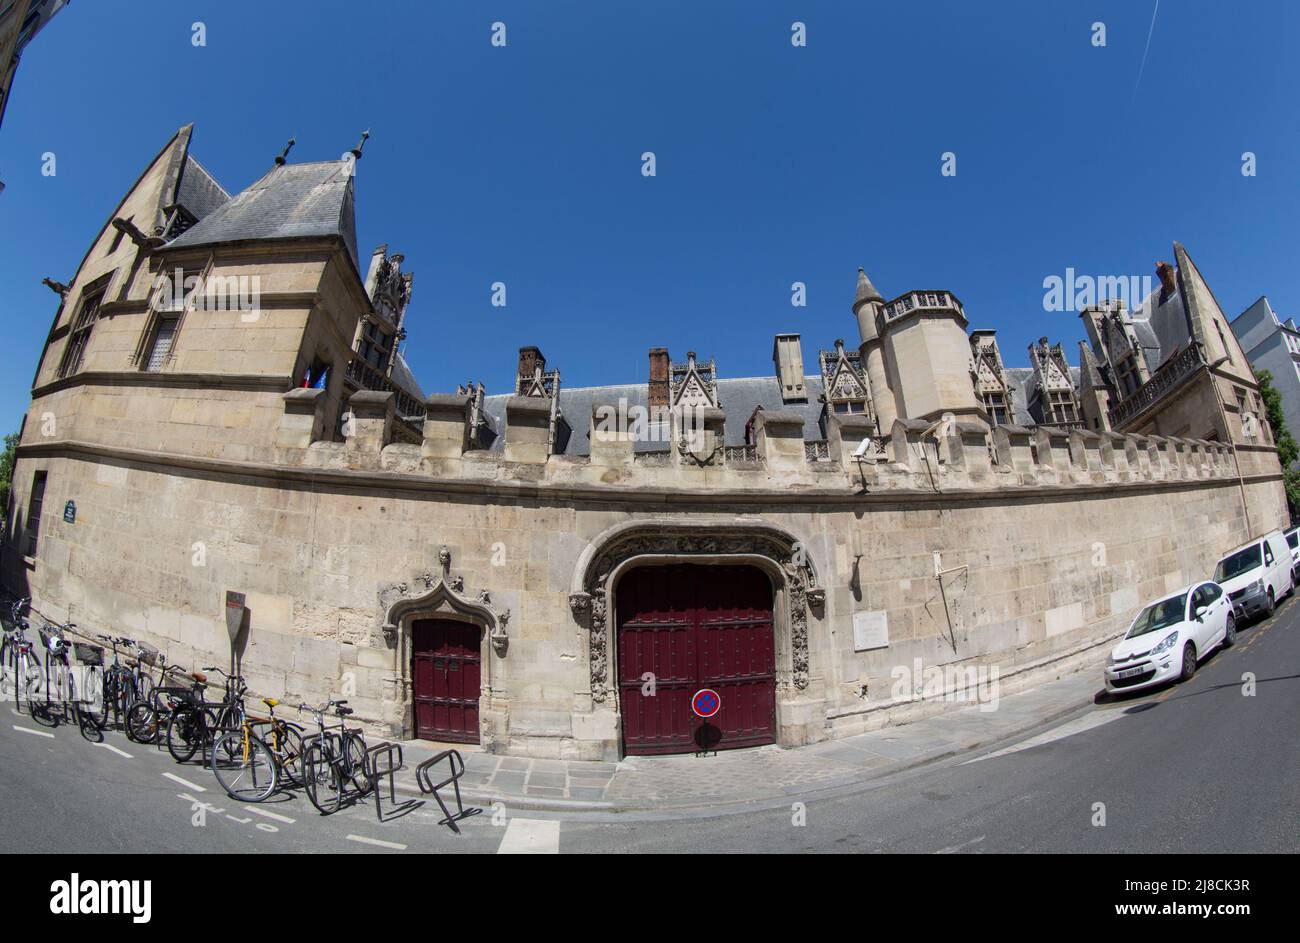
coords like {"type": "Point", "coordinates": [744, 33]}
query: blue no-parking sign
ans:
{"type": "Point", "coordinates": [706, 702]}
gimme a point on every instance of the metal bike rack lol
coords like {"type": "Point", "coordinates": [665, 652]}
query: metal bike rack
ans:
{"type": "Point", "coordinates": [385, 759]}
{"type": "Point", "coordinates": [456, 766]}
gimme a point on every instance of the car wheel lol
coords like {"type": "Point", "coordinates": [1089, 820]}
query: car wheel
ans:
{"type": "Point", "coordinates": [1272, 603]}
{"type": "Point", "coordinates": [1230, 632]}
{"type": "Point", "coordinates": [1189, 662]}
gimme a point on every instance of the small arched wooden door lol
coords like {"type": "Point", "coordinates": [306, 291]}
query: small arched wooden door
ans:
{"type": "Point", "coordinates": [692, 627]}
{"type": "Point", "coordinates": [445, 668]}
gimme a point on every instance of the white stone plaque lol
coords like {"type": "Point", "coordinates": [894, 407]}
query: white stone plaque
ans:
{"type": "Point", "coordinates": [870, 630]}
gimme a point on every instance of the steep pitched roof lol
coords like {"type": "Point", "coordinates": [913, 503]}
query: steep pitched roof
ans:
{"type": "Point", "coordinates": [293, 201]}
{"type": "Point", "coordinates": [199, 191]}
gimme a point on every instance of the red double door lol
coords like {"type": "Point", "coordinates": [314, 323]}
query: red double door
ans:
{"type": "Point", "coordinates": [692, 627]}
{"type": "Point", "coordinates": [446, 671]}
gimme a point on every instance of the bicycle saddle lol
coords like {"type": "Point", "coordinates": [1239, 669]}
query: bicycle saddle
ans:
{"type": "Point", "coordinates": [199, 676]}
{"type": "Point", "coordinates": [271, 702]}
{"type": "Point", "coordinates": [342, 711]}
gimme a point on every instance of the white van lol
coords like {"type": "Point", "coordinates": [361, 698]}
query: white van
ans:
{"type": "Point", "coordinates": [1256, 575]}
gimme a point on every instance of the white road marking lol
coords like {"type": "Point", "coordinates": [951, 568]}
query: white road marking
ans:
{"type": "Point", "coordinates": [952, 849]}
{"type": "Point", "coordinates": [1087, 722]}
{"type": "Point", "coordinates": [184, 782]}
{"type": "Point", "coordinates": [375, 841]}
{"type": "Point", "coordinates": [109, 746]}
{"type": "Point", "coordinates": [272, 815]}
{"type": "Point", "coordinates": [531, 837]}
{"type": "Point", "coordinates": [39, 733]}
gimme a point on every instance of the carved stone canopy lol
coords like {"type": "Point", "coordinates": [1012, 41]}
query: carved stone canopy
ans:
{"type": "Point", "coordinates": [429, 594]}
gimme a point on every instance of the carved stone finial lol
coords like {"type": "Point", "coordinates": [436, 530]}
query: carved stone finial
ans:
{"type": "Point", "coordinates": [284, 155]}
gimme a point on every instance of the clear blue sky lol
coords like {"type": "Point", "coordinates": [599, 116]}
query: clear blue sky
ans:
{"type": "Point", "coordinates": [775, 164]}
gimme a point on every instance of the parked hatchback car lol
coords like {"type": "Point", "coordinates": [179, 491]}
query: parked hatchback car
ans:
{"type": "Point", "coordinates": [1256, 575]}
{"type": "Point", "coordinates": [1169, 636]}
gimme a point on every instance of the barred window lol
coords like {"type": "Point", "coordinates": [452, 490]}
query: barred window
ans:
{"type": "Point", "coordinates": [161, 345]}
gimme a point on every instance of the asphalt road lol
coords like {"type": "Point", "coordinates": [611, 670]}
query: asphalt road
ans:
{"type": "Point", "coordinates": [1200, 767]}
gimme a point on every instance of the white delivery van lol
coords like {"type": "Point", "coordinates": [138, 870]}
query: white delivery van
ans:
{"type": "Point", "coordinates": [1256, 575]}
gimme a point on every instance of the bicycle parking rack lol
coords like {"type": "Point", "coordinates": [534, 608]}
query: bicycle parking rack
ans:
{"type": "Point", "coordinates": [457, 769]}
{"type": "Point", "coordinates": [385, 759]}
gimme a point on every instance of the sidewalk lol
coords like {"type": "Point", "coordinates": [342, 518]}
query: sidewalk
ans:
{"type": "Point", "coordinates": [745, 778]}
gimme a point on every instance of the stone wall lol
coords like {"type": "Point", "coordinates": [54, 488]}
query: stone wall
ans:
{"type": "Point", "coordinates": [1046, 546]}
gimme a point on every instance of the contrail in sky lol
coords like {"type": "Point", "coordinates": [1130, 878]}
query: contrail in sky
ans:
{"type": "Point", "coordinates": [1146, 50]}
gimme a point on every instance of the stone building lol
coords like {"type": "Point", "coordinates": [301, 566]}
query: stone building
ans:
{"type": "Point", "coordinates": [554, 571]}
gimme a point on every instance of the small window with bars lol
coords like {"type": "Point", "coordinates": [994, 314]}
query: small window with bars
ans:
{"type": "Point", "coordinates": [74, 354]}
{"type": "Point", "coordinates": [160, 345]}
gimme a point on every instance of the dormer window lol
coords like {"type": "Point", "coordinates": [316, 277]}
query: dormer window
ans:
{"type": "Point", "coordinates": [79, 336]}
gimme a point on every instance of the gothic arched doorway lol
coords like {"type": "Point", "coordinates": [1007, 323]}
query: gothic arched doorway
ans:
{"type": "Point", "coordinates": [684, 627]}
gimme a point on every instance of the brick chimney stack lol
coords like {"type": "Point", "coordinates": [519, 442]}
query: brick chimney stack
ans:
{"type": "Point", "coordinates": [658, 376]}
{"type": "Point", "coordinates": [530, 358]}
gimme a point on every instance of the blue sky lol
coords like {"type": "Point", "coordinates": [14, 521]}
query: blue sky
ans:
{"type": "Point", "coordinates": [775, 164]}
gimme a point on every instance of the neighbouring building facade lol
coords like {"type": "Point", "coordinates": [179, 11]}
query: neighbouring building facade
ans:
{"type": "Point", "coordinates": [20, 21]}
{"type": "Point", "coordinates": [1273, 344]}
{"type": "Point", "coordinates": [554, 571]}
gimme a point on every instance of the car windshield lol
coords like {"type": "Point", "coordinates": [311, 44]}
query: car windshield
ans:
{"type": "Point", "coordinates": [1237, 564]}
{"type": "Point", "coordinates": [1159, 615]}
{"type": "Point", "coordinates": [1293, 539]}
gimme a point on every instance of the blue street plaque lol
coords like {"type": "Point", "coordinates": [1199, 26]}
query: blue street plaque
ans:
{"type": "Point", "coordinates": [70, 512]}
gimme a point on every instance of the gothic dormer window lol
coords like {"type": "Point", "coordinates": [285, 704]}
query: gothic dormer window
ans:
{"type": "Point", "coordinates": [693, 384]}
{"type": "Point", "coordinates": [989, 376]}
{"type": "Point", "coordinates": [846, 390]}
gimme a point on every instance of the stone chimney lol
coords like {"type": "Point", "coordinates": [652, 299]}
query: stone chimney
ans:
{"type": "Point", "coordinates": [1165, 272]}
{"type": "Point", "coordinates": [787, 354]}
{"type": "Point", "coordinates": [658, 376]}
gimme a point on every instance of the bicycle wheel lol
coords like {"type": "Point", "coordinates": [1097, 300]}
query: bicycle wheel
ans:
{"type": "Point", "coordinates": [320, 779]}
{"type": "Point", "coordinates": [142, 722]}
{"type": "Point", "coordinates": [184, 733]}
{"type": "Point", "coordinates": [356, 761]}
{"type": "Point", "coordinates": [244, 765]}
{"type": "Point", "coordinates": [94, 705]}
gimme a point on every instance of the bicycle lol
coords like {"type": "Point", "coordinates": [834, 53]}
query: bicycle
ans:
{"type": "Point", "coordinates": [59, 676]}
{"type": "Point", "coordinates": [18, 662]}
{"type": "Point", "coordinates": [285, 740]}
{"type": "Point", "coordinates": [242, 762]}
{"type": "Point", "coordinates": [115, 690]}
{"type": "Point", "coordinates": [193, 722]}
{"type": "Point", "coordinates": [334, 756]}
{"type": "Point", "coordinates": [147, 718]}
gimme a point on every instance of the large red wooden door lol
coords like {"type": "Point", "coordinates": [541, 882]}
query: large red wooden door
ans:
{"type": "Point", "coordinates": [445, 667]}
{"type": "Point", "coordinates": [696, 627]}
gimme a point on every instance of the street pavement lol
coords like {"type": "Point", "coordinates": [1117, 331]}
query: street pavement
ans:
{"type": "Point", "coordinates": [1199, 767]}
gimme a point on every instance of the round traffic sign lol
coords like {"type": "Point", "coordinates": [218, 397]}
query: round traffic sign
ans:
{"type": "Point", "coordinates": [706, 702]}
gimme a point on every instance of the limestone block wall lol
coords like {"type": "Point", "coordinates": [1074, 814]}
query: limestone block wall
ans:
{"type": "Point", "coordinates": [1023, 562]}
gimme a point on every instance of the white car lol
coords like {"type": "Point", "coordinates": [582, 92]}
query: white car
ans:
{"type": "Point", "coordinates": [1257, 575]}
{"type": "Point", "coordinates": [1293, 542]}
{"type": "Point", "coordinates": [1170, 635]}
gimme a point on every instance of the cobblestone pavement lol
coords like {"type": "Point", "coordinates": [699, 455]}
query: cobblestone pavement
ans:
{"type": "Point", "coordinates": [770, 773]}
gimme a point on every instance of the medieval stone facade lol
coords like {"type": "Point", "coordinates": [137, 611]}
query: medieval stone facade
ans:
{"type": "Point", "coordinates": [913, 501]}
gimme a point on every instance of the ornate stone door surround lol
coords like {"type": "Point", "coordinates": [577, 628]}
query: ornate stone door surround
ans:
{"type": "Point", "coordinates": [777, 552]}
{"type": "Point", "coordinates": [443, 597]}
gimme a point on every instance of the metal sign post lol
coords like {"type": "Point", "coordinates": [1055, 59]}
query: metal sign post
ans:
{"type": "Point", "coordinates": [236, 610]}
{"type": "Point", "coordinates": [705, 704]}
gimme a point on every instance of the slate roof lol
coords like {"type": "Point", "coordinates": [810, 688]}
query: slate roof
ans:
{"type": "Point", "coordinates": [199, 191]}
{"type": "Point", "coordinates": [738, 396]}
{"type": "Point", "coordinates": [1161, 328]}
{"type": "Point", "coordinates": [290, 202]}
{"type": "Point", "coordinates": [404, 378]}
